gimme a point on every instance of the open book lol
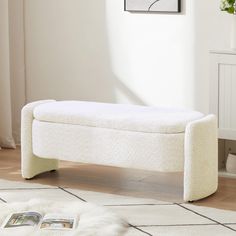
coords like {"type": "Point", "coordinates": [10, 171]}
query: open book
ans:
{"type": "Point", "coordinates": [48, 221]}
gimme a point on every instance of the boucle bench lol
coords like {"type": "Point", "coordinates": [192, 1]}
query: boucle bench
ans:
{"type": "Point", "coordinates": [149, 138]}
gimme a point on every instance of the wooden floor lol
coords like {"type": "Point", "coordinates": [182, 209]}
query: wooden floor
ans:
{"type": "Point", "coordinates": [136, 183]}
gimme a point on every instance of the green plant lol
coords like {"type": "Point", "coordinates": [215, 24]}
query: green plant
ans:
{"type": "Point", "coordinates": [228, 6]}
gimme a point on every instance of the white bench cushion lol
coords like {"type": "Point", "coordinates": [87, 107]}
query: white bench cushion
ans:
{"type": "Point", "coordinates": [116, 116]}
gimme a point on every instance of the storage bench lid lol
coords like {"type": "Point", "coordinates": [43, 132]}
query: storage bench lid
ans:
{"type": "Point", "coordinates": [116, 116]}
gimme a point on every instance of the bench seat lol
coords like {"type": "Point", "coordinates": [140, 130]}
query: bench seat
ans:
{"type": "Point", "coordinates": [117, 116]}
{"type": "Point", "coordinates": [150, 138]}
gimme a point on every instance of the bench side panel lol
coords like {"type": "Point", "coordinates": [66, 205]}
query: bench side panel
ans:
{"type": "Point", "coordinates": [32, 165]}
{"type": "Point", "coordinates": [201, 159]}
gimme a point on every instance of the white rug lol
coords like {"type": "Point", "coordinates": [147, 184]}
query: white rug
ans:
{"type": "Point", "coordinates": [94, 220]}
{"type": "Point", "coordinates": [147, 217]}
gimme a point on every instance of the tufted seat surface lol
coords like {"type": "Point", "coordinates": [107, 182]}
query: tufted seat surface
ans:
{"type": "Point", "coordinates": [117, 116]}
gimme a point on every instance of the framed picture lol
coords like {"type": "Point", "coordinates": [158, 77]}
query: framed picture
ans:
{"type": "Point", "coordinates": [153, 5]}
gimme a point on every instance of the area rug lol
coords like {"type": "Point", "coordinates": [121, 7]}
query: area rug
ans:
{"type": "Point", "coordinates": [146, 216]}
{"type": "Point", "coordinates": [93, 220]}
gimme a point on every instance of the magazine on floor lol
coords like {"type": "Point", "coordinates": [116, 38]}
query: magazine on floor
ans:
{"type": "Point", "coordinates": [35, 219]}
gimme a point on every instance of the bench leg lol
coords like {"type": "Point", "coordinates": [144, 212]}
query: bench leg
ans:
{"type": "Point", "coordinates": [201, 159]}
{"type": "Point", "coordinates": [32, 165]}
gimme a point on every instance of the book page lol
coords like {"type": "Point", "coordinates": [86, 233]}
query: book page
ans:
{"type": "Point", "coordinates": [22, 219]}
{"type": "Point", "coordinates": [58, 221]}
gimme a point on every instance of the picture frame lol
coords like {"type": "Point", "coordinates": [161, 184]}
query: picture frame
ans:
{"type": "Point", "coordinates": [168, 6]}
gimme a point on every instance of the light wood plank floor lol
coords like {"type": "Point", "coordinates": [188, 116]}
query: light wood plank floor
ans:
{"type": "Point", "coordinates": [130, 182]}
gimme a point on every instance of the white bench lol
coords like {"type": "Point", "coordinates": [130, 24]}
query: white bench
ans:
{"type": "Point", "coordinates": [130, 136]}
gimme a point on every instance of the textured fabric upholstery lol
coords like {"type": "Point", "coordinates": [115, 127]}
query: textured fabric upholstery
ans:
{"type": "Point", "coordinates": [31, 164]}
{"type": "Point", "coordinates": [159, 139]}
{"type": "Point", "coordinates": [109, 146]}
{"type": "Point", "coordinates": [201, 158]}
{"type": "Point", "coordinates": [117, 116]}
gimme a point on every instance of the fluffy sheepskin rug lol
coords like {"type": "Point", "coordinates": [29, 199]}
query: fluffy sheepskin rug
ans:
{"type": "Point", "coordinates": [94, 220]}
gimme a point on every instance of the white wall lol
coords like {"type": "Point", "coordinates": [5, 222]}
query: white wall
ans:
{"type": "Point", "coordinates": [67, 53]}
{"type": "Point", "coordinates": [93, 50]}
{"type": "Point", "coordinates": [152, 54]}
{"type": "Point", "coordinates": [211, 31]}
